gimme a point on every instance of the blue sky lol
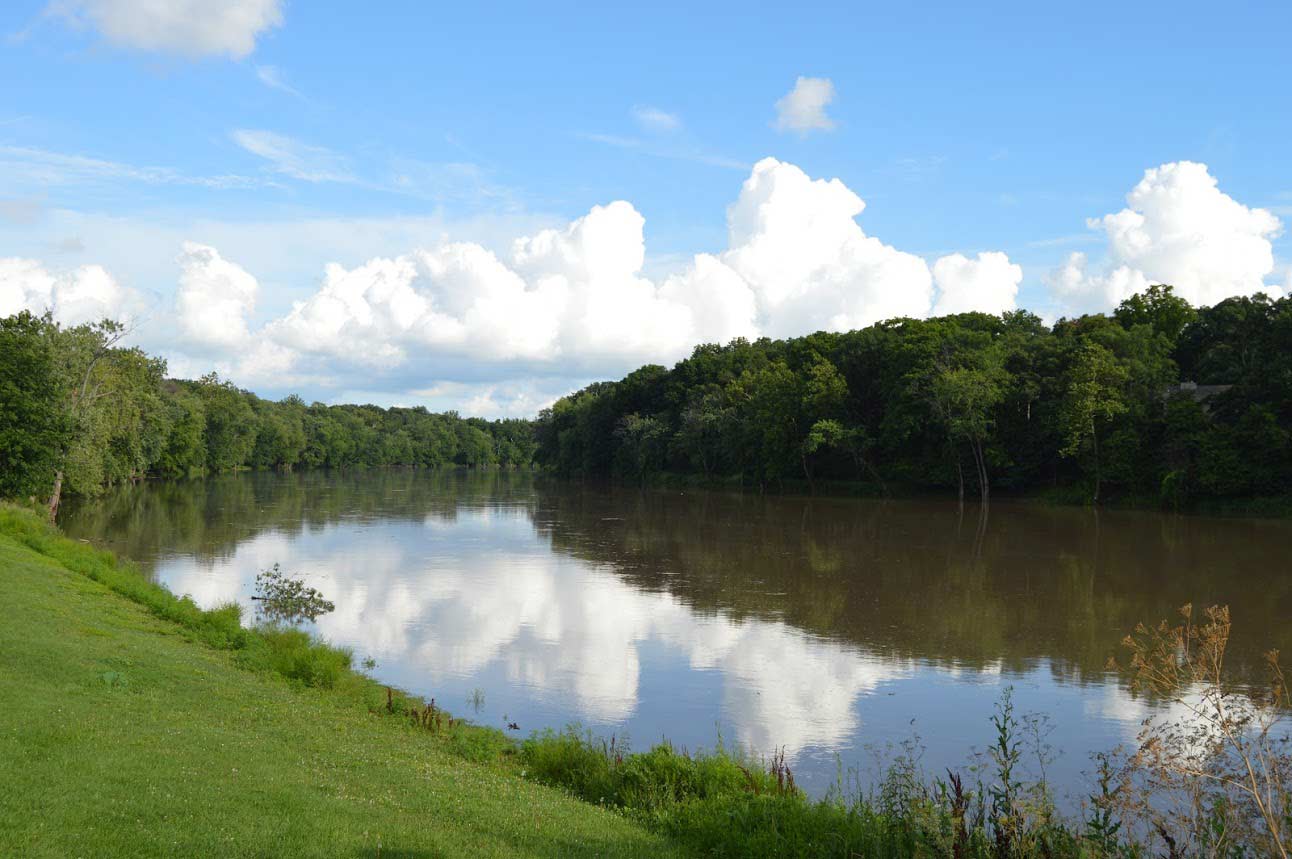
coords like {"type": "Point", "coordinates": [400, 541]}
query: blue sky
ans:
{"type": "Point", "coordinates": [306, 134]}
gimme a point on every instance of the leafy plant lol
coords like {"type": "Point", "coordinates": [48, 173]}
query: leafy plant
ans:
{"type": "Point", "coordinates": [283, 599]}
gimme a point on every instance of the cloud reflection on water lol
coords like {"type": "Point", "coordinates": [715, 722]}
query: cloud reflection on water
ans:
{"type": "Point", "coordinates": [446, 603]}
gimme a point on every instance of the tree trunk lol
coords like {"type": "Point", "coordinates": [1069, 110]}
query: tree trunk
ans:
{"type": "Point", "coordinates": [807, 472]}
{"type": "Point", "coordinates": [980, 460]}
{"type": "Point", "coordinates": [861, 463]}
{"type": "Point", "coordinates": [56, 496]}
{"type": "Point", "coordinates": [1094, 438]}
{"type": "Point", "coordinates": [960, 475]}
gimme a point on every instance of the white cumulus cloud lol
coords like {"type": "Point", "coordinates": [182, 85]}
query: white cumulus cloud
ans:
{"type": "Point", "coordinates": [500, 330]}
{"type": "Point", "coordinates": [84, 294]}
{"type": "Point", "coordinates": [1178, 228]}
{"type": "Point", "coordinates": [802, 109]}
{"type": "Point", "coordinates": [193, 28]}
{"type": "Point", "coordinates": [574, 293]}
{"type": "Point", "coordinates": [796, 242]}
{"type": "Point", "coordinates": [574, 299]}
{"type": "Point", "coordinates": [988, 283]}
{"type": "Point", "coordinates": [215, 297]}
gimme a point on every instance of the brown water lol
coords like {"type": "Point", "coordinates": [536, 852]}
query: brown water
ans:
{"type": "Point", "coordinates": [836, 628]}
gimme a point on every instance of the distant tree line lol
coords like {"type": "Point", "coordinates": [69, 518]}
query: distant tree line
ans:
{"type": "Point", "coordinates": [1158, 402]}
{"type": "Point", "coordinates": [78, 412]}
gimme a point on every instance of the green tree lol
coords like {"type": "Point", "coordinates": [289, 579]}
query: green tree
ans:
{"type": "Point", "coordinates": [184, 453]}
{"type": "Point", "coordinates": [823, 395]}
{"type": "Point", "coordinates": [962, 390]}
{"type": "Point", "coordinates": [121, 428]}
{"type": "Point", "coordinates": [766, 403]}
{"type": "Point", "coordinates": [853, 441]}
{"type": "Point", "coordinates": [280, 434]}
{"type": "Point", "coordinates": [33, 424]}
{"type": "Point", "coordinates": [475, 446]}
{"type": "Point", "coordinates": [1159, 308]}
{"type": "Point", "coordinates": [83, 381]}
{"type": "Point", "coordinates": [702, 425]}
{"type": "Point", "coordinates": [1095, 395]}
{"type": "Point", "coordinates": [642, 443]}
{"type": "Point", "coordinates": [230, 424]}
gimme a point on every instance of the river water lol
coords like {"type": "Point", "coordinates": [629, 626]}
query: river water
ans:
{"type": "Point", "coordinates": [838, 629]}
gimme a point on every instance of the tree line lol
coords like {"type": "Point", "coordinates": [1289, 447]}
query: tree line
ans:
{"type": "Point", "coordinates": [1158, 402]}
{"type": "Point", "coordinates": [81, 412]}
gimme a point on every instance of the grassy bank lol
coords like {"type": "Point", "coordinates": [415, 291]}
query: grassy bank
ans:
{"type": "Point", "coordinates": [136, 729]}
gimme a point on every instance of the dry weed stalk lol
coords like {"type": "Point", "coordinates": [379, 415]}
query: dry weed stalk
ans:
{"type": "Point", "coordinates": [1218, 775]}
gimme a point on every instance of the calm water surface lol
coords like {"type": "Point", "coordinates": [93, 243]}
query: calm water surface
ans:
{"type": "Point", "coordinates": [835, 628]}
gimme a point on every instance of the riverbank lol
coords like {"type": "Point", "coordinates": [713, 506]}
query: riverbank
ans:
{"type": "Point", "coordinates": [127, 734]}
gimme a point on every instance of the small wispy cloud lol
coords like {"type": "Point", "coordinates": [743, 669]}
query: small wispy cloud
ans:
{"type": "Point", "coordinates": [462, 182]}
{"type": "Point", "coordinates": [918, 168]}
{"type": "Point", "coordinates": [23, 211]}
{"type": "Point", "coordinates": [1069, 239]}
{"type": "Point", "coordinates": [656, 120]}
{"type": "Point", "coordinates": [802, 109]}
{"type": "Point", "coordinates": [272, 77]}
{"type": "Point", "coordinates": [654, 150]}
{"type": "Point", "coordinates": [57, 168]}
{"type": "Point", "coordinates": [293, 158]}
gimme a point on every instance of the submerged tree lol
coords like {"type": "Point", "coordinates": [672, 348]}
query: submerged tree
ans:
{"type": "Point", "coordinates": [851, 440]}
{"type": "Point", "coordinates": [284, 599]}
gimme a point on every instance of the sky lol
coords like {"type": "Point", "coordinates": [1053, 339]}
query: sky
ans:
{"type": "Point", "coordinates": [483, 207]}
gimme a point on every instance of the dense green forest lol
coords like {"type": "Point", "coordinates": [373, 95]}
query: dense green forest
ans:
{"type": "Point", "coordinates": [1158, 402]}
{"type": "Point", "coordinates": [82, 412]}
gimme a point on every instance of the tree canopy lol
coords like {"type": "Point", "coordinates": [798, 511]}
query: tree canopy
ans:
{"type": "Point", "coordinates": [1079, 406]}
{"type": "Point", "coordinates": [79, 410]}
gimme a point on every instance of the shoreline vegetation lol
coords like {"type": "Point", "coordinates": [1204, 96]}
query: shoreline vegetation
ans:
{"type": "Point", "coordinates": [1157, 405]}
{"type": "Point", "coordinates": [193, 732]}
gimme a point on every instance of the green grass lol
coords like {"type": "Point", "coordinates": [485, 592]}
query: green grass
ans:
{"type": "Point", "coordinates": [134, 727]}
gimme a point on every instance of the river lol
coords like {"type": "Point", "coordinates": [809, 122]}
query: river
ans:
{"type": "Point", "coordinates": [842, 630]}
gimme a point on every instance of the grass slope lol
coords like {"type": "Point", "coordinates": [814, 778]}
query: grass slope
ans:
{"type": "Point", "coordinates": [122, 736]}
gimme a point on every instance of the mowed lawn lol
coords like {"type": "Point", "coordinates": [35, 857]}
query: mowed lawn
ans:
{"type": "Point", "coordinates": [119, 736]}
